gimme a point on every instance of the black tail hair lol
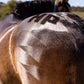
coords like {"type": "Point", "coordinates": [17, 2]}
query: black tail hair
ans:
{"type": "Point", "coordinates": [29, 8]}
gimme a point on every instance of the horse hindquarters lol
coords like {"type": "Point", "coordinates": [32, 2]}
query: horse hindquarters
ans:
{"type": "Point", "coordinates": [46, 55]}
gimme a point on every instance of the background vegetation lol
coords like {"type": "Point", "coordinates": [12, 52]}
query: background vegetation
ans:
{"type": "Point", "coordinates": [6, 9]}
{"type": "Point", "coordinates": [78, 10]}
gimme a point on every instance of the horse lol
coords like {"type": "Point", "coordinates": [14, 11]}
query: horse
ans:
{"type": "Point", "coordinates": [8, 22]}
{"type": "Point", "coordinates": [26, 9]}
{"type": "Point", "coordinates": [63, 5]}
{"type": "Point", "coordinates": [34, 7]}
{"type": "Point", "coordinates": [46, 48]}
{"type": "Point", "coordinates": [29, 8]}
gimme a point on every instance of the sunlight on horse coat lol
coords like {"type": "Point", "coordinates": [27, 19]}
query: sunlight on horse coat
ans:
{"type": "Point", "coordinates": [44, 49]}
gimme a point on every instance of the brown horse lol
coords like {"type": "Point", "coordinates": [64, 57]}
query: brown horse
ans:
{"type": "Point", "coordinates": [63, 5]}
{"type": "Point", "coordinates": [43, 49]}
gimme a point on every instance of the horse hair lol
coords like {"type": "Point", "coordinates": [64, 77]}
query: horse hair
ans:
{"type": "Point", "coordinates": [29, 8]}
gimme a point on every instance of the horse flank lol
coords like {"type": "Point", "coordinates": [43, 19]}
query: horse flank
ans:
{"type": "Point", "coordinates": [48, 55]}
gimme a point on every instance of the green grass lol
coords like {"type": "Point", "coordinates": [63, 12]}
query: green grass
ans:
{"type": "Point", "coordinates": [79, 13]}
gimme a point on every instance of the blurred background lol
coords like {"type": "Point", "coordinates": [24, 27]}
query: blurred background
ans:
{"type": "Point", "coordinates": [7, 6]}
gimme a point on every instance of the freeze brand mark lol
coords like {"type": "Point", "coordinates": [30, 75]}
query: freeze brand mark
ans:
{"type": "Point", "coordinates": [49, 18]}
